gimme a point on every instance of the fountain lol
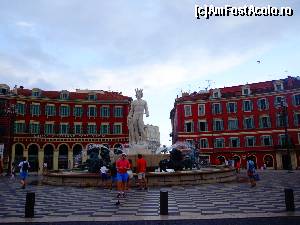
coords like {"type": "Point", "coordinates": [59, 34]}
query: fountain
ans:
{"type": "Point", "coordinates": [180, 167]}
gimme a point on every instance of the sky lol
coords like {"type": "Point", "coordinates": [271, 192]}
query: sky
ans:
{"type": "Point", "coordinates": [157, 45]}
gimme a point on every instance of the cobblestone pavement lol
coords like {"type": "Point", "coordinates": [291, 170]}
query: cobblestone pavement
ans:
{"type": "Point", "coordinates": [223, 200]}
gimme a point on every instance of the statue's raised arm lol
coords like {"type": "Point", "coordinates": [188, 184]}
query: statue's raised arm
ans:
{"type": "Point", "coordinates": [135, 118]}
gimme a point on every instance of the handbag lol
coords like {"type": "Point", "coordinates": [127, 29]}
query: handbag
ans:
{"type": "Point", "coordinates": [256, 177]}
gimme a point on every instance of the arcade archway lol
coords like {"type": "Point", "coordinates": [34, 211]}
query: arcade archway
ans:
{"type": "Point", "coordinates": [33, 157]}
{"type": "Point", "coordinates": [63, 157]}
{"type": "Point", "coordinates": [48, 156]}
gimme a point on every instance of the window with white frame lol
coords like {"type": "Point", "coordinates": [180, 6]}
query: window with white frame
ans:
{"type": "Point", "coordinates": [233, 124]}
{"type": "Point", "coordinates": [20, 108]}
{"type": "Point", "coordinates": [218, 125]}
{"type": "Point", "coordinates": [34, 128]}
{"type": "Point", "coordinates": [91, 128]}
{"type": "Point", "coordinates": [296, 100]}
{"type": "Point", "coordinates": [104, 111]}
{"type": "Point", "coordinates": [203, 143]}
{"type": "Point", "coordinates": [77, 128]}
{"type": "Point", "coordinates": [246, 90]}
{"type": "Point", "coordinates": [247, 106]}
{"type": "Point", "coordinates": [118, 111]}
{"type": "Point", "coordinates": [219, 143]}
{"type": "Point", "coordinates": [64, 95]}
{"type": "Point", "coordinates": [216, 93]}
{"type": "Point", "coordinates": [264, 121]}
{"type": "Point", "coordinates": [297, 119]}
{"type": "Point", "coordinates": [64, 128]}
{"type": "Point", "coordinates": [282, 139]}
{"type": "Point", "coordinates": [250, 141]}
{"type": "Point", "coordinates": [202, 125]}
{"type": "Point", "coordinates": [49, 128]}
{"type": "Point", "coordinates": [266, 140]}
{"type": "Point", "coordinates": [4, 89]}
{"type": "Point", "coordinates": [92, 97]}
{"type": "Point", "coordinates": [279, 100]}
{"type": "Point", "coordinates": [117, 129]}
{"type": "Point", "coordinates": [50, 110]}
{"type": "Point", "coordinates": [262, 104]}
{"type": "Point", "coordinates": [187, 110]}
{"type": "Point", "coordinates": [104, 128]}
{"type": "Point", "coordinates": [281, 120]}
{"type": "Point", "coordinates": [188, 126]}
{"type": "Point", "coordinates": [36, 92]}
{"type": "Point", "coordinates": [278, 85]}
{"type": "Point", "coordinates": [216, 108]}
{"type": "Point", "coordinates": [231, 107]}
{"type": "Point", "coordinates": [20, 127]}
{"type": "Point", "coordinates": [35, 109]}
{"type": "Point", "coordinates": [64, 110]}
{"type": "Point", "coordinates": [201, 109]}
{"type": "Point", "coordinates": [92, 111]}
{"type": "Point", "coordinates": [249, 122]}
{"type": "Point", "coordinates": [234, 142]}
{"type": "Point", "coordinates": [77, 111]}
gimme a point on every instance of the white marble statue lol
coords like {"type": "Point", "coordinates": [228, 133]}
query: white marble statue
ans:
{"type": "Point", "coordinates": [135, 119]}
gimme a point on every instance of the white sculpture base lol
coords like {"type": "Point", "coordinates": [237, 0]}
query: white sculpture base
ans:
{"type": "Point", "coordinates": [135, 149]}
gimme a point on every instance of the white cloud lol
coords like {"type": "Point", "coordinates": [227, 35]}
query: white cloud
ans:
{"type": "Point", "coordinates": [24, 24]}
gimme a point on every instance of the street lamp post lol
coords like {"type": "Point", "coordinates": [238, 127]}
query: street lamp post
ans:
{"type": "Point", "coordinates": [284, 116]}
{"type": "Point", "coordinates": [11, 113]}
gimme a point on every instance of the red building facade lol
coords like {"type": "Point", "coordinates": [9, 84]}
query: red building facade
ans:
{"type": "Point", "coordinates": [259, 120]}
{"type": "Point", "coordinates": [57, 126]}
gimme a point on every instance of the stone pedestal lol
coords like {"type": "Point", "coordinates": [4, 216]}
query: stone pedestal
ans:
{"type": "Point", "coordinates": [135, 149]}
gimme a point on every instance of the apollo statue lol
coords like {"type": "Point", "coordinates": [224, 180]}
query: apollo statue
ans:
{"type": "Point", "coordinates": [135, 119]}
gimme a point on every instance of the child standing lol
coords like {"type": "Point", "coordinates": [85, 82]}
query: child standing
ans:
{"type": "Point", "coordinates": [104, 175]}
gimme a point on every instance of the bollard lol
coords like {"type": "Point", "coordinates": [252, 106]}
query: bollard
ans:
{"type": "Point", "coordinates": [289, 199]}
{"type": "Point", "coordinates": [29, 205]}
{"type": "Point", "coordinates": [163, 202]}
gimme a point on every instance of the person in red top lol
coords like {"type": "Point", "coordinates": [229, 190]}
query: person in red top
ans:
{"type": "Point", "coordinates": [141, 166]}
{"type": "Point", "coordinates": [238, 166]}
{"type": "Point", "coordinates": [122, 175]}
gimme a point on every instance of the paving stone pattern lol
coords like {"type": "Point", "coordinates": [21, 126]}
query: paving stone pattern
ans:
{"type": "Point", "coordinates": [209, 199]}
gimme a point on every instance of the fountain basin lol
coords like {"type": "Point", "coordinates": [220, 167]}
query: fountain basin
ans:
{"type": "Point", "coordinates": [188, 177]}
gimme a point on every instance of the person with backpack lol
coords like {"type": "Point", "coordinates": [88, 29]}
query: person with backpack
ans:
{"type": "Point", "coordinates": [251, 172]}
{"type": "Point", "coordinates": [24, 167]}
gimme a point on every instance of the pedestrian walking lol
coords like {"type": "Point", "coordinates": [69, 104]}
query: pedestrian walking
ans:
{"type": "Point", "coordinates": [122, 175]}
{"type": "Point", "coordinates": [13, 171]}
{"type": "Point", "coordinates": [24, 167]}
{"type": "Point", "coordinates": [251, 172]}
{"type": "Point", "coordinates": [130, 175]}
{"type": "Point", "coordinates": [141, 167]}
{"type": "Point", "coordinates": [113, 175]}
